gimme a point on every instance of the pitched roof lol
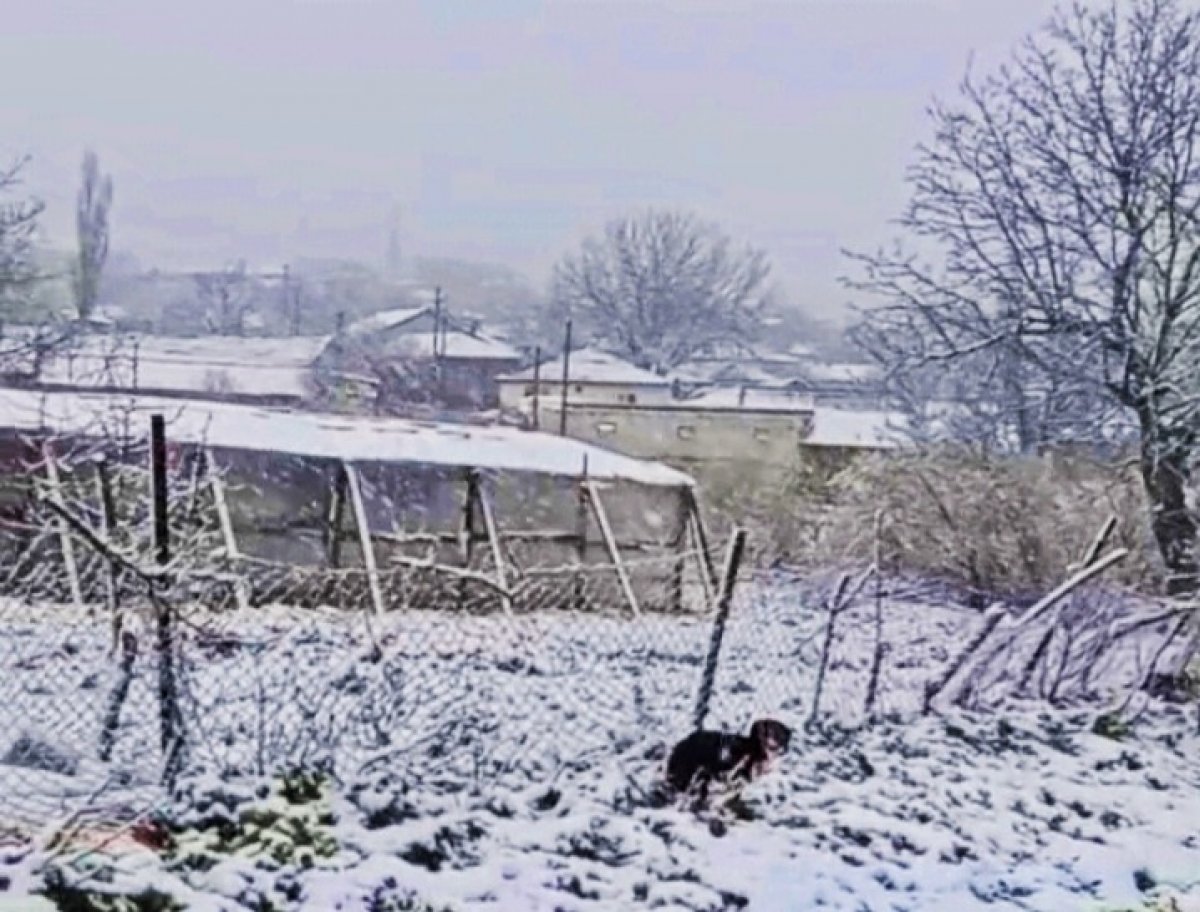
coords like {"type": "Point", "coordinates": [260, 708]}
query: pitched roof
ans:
{"type": "Point", "coordinates": [590, 365]}
{"type": "Point", "coordinates": [727, 398]}
{"type": "Point", "coordinates": [357, 439]}
{"type": "Point", "coordinates": [457, 345]}
{"type": "Point", "coordinates": [384, 320]}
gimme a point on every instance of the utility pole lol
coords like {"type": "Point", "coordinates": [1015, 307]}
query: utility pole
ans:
{"type": "Point", "coordinates": [286, 278]}
{"type": "Point", "coordinates": [439, 320]}
{"type": "Point", "coordinates": [296, 309]}
{"type": "Point", "coordinates": [537, 388]}
{"type": "Point", "coordinates": [566, 377]}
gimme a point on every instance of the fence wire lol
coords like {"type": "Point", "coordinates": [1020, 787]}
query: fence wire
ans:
{"type": "Point", "coordinates": [464, 676]}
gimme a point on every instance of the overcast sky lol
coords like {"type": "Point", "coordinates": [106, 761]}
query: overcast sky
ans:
{"type": "Point", "coordinates": [502, 129]}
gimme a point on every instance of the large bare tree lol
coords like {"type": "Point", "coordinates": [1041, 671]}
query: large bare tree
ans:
{"type": "Point", "coordinates": [91, 228]}
{"type": "Point", "coordinates": [226, 298]}
{"type": "Point", "coordinates": [18, 227]}
{"type": "Point", "coordinates": [662, 287]}
{"type": "Point", "coordinates": [1053, 220]}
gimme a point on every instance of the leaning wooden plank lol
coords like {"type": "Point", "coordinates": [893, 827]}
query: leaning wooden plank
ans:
{"type": "Point", "coordinates": [358, 505]}
{"type": "Point", "coordinates": [701, 533]}
{"type": "Point", "coordinates": [64, 538]}
{"type": "Point", "coordinates": [610, 543]}
{"type": "Point", "coordinates": [680, 544]}
{"type": "Point", "coordinates": [216, 483]}
{"type": "Point", "coordinates": [698, 542]}
{"type": "Point", "coordinates": [112, 579]}
{"type": "Point", "coordinates": [466, 535]}
{"type": "Point", "coordinates": [493, 534]}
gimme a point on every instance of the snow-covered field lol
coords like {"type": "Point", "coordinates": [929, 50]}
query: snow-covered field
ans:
{"type": "Point", "coordinates": [488, 763]}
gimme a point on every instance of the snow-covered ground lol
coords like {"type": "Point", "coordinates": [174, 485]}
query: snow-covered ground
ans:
{"type": "Point", "coordinates": [489, 763]}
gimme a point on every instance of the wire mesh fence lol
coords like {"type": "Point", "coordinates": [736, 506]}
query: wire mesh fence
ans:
{"type": "Point", "coordinates": [497, 668]}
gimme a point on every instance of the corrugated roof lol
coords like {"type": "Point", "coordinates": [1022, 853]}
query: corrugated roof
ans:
{"type": "Point", "coordinates": [356, 439]}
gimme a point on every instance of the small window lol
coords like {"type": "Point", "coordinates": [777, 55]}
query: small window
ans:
{"type": "Point", "coordinates": [579, 387]}
{"type": "Point", "coordinates": [761, 434]}
{"type": "Point", "coordinates": [685, 432]}
{"type": "Point", "coordinates": [632, 398]}
{"type": "Point", "coordinates": [606, 428]}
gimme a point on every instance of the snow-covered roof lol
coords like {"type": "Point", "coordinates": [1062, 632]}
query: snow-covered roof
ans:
{"type": "Point", "coordinates": [384, 320]}
{"type": "Point", "coordinates": [751, 399]}
{"type": "Point", "coordinates": [824, 372]}
{"type": "Point", "coordinates": [834, 427]}
{"type": "Point", "coordinates": [210, 364]}
{"type": "Point", "coordinates": [357, 439]}
{"type": "Point", "coordinates": [589, 365]}
{"type": "Point", "coordinates": [456, 345]}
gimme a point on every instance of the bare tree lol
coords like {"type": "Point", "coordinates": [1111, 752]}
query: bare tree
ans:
{"type": "Point", "coordinates": [1057, 203]}
{"type": "Point", "coordinates": [18, 226]}
{"type": "Point", "coordinates": [663, 287]}
{"type": "Point", "coordinates": [91, 227]}
{"type": "Point", "coordinates": [226, 298]}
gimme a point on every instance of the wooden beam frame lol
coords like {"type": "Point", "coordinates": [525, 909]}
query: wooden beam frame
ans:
{"type": "Point", "coordinates": [66, 544]}
{"type": "Point", "coordinates": [610, 542]}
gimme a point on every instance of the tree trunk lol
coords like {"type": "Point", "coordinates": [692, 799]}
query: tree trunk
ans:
{"type": "Point", "coordinates": [1165, 475]}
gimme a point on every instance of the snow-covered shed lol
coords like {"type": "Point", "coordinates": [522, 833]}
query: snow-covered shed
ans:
{"type": "Point", "coordinates": [300, 487]}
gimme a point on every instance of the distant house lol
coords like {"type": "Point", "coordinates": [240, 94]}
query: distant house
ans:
{"type": "Point", "coordinates": [265, 371]}
{"type": "Point", "coordinates": [593, 378]}
{"type": "Point", "coordinates": [848, 384]}
{"type": "Point", "coordinates": [737, 430]}
{"type": "Point", "coordinates": [422, 356]}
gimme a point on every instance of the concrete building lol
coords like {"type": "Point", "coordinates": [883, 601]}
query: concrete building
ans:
{"type": "Point", "coordinates": [748, 430]}
{"type": "Point", "coordinates": [595, 378]}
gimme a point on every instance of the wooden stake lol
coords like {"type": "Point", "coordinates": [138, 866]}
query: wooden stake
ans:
{"type": "Point", "coordinates": [354, 487]}
{"type": "Point", "coordinates": [216, 483]}
{"type": "Point", "coordinates": [108, 514]}
{"type": "Point", "coordinates": [66, 544]}
{"type": "Point", "coordinates": [679, 570]}
{"type": "Point", "coordinates": [493, 534]}
{"type": "Point", "coordinates": [733, 562]}
{"type": "Point", "coordinates": [701, 532]}
{"type": "Point", "coordinates": [466, 536]}
{"type": "Point", "coordinates": [610, 542]}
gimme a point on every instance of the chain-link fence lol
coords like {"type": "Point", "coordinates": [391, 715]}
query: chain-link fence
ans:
{"type": "Point", "coordinates": [117, 673]}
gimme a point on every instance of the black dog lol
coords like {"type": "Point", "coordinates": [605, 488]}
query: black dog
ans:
{"type": "Point", "coordinates": [704, 757]}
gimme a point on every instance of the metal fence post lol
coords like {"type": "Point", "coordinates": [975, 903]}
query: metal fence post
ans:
{"type": "Point", "coordinates": [170, 729]}
{"type": "Point", "coordinates": [733, 562]}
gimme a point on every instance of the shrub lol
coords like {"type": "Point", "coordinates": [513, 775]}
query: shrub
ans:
{"type": "Point", "coordinates": [993, 525]}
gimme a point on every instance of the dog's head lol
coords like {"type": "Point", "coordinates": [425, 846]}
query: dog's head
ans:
{"type": "Point", "coordinates": [773, 736]}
